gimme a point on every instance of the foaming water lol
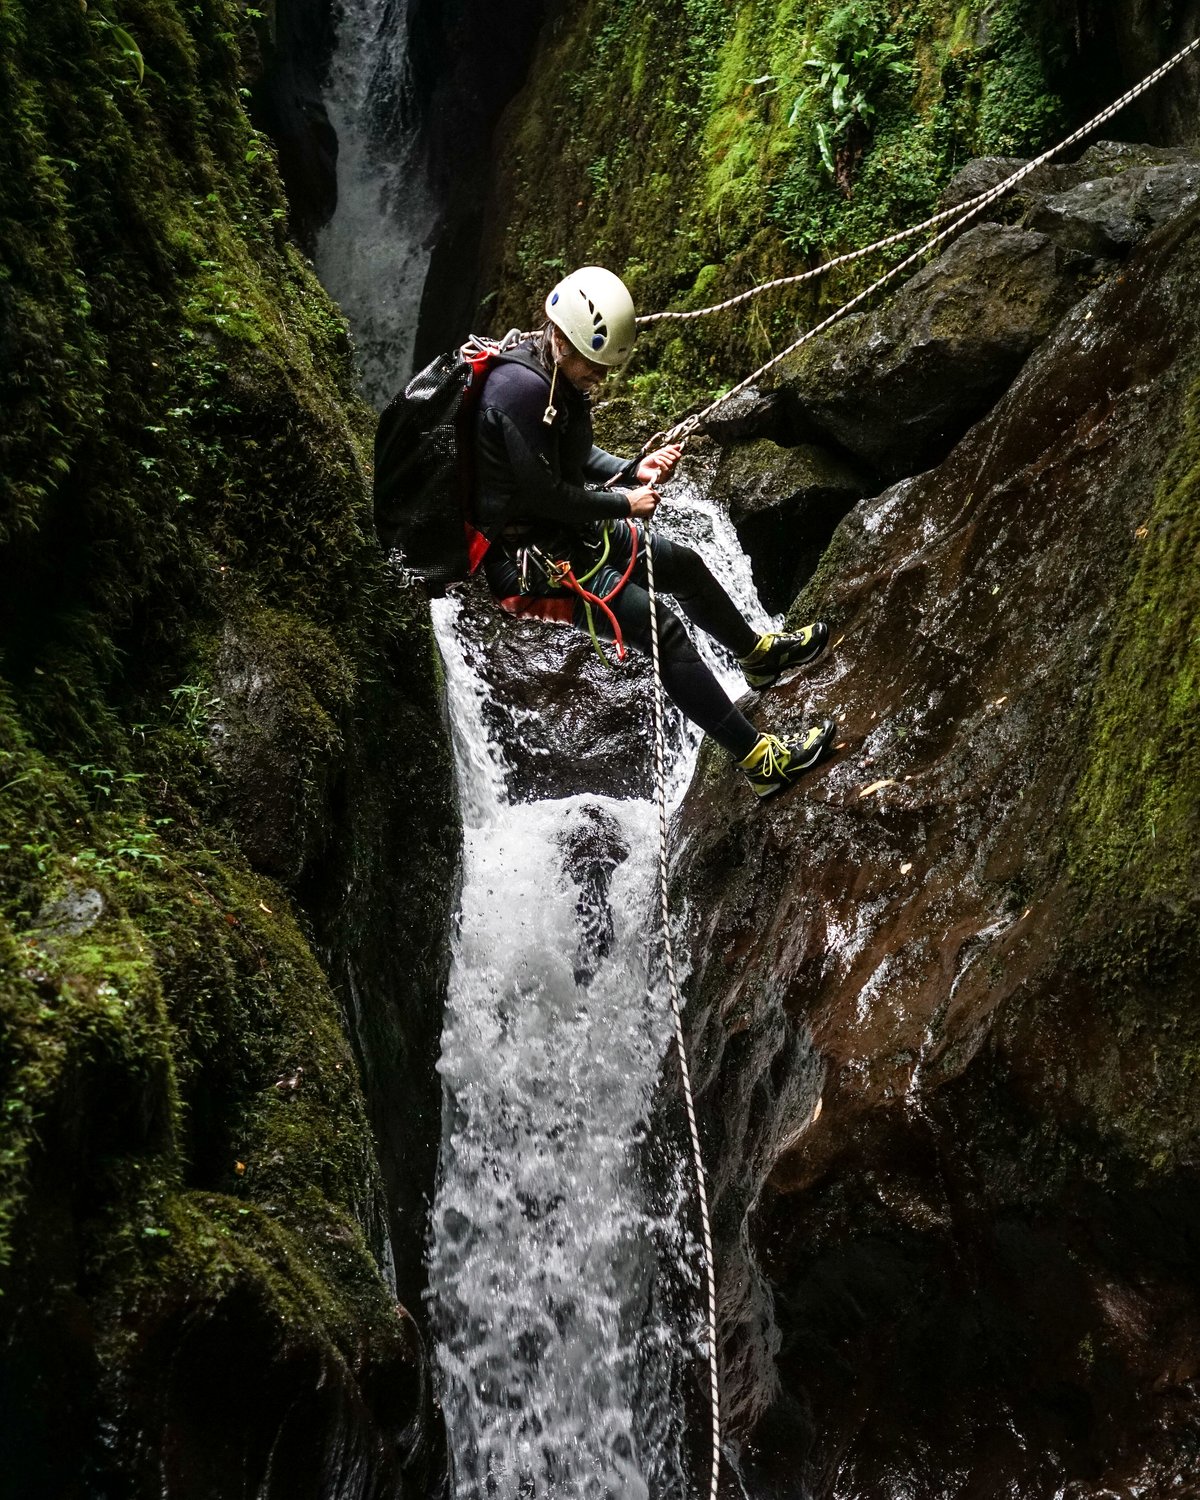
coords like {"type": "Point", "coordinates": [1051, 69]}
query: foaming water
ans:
{"type": "Point", "coordinates": [558, 1368]}
{"type": "Point", "coordinates": [372, 256]}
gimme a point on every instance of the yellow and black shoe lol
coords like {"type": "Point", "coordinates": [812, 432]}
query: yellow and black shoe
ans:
{"type": "Point", "coordinates": [774, 765]}
{"type": "Point", "coordinates": [773, 655]}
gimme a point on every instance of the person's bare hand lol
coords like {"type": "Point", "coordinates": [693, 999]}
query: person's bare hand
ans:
{"type": "Point", "coordinates": [643, 503]}
{"type": "Point", "coordinates": [657, 467]}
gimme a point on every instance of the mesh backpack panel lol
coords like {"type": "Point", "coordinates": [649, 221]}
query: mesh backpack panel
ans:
{"type": "Point", "coordinates": [420, 493]}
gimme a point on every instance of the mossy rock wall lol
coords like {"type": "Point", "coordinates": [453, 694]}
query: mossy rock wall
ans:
{"type": "Point", "coordinates": [221, 755]}
{"type": "Point", "coordinates": [697, 146]}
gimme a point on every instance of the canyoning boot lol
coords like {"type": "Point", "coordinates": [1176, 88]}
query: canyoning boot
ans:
{"type": "Point", "coordinates": [773, 655]}
{"type": "Point", "coordinates": [774, 765]}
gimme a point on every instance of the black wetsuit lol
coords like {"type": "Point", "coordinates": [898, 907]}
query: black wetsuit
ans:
{"type": "Point", "coordinates": [541, 486]}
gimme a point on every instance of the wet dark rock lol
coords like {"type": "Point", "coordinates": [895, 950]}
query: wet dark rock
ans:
{"type": "Point", "coordinates": [289, 106]}
{"type": "Point", "coordinates": [1106, 217]}
{"type": "Point", "coordinates": [785, 504]}
{"type": "Point", "coordinates": [895, 388]}
{"type": "Point", "coordinates": [1136, 38]}
{"type": "Point", "coordinates": [981, 175]}
{"type": "Point", "coordinates": [200, 1213]}
{"type": "Point", "coordinates": [1101, 161]}
{"type": "Point", "coordinates": [750, 414]}
{"type": "Point", "coordinates": [564, 722]}
{"type": "Point", "coordinates": [468, 62]}
{"type": "Point", "coordinates": [282, 690]}
{"type": "Point", "coordinates": [227, 1404]}
{"type": "Point", "coordinates": [593, 846]}
{"type": "Point", "coordinates": [943, 1003]}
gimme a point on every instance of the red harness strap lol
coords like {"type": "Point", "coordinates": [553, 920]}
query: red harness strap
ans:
{"type": "Point", "coordinates": [561, 611]}
{"type": "Point", "coordinates": [568, 580]}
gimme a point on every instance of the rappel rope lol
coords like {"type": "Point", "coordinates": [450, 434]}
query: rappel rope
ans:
{"type": "Point", "coordinates": [965, 210]}
{"type": "Point", "coordinates": [660, 789]}
{"type": "Point", "coordinates": [960, 216]}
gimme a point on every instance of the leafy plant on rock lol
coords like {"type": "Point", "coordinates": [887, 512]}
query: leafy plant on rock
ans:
{"type": "Point", "coordinates": [854, 63]}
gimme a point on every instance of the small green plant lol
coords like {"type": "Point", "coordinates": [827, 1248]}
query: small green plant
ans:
{"type": "Point", "coordinates": [126, 63]}
{"type": "Point", "coordinates": [195, 706]}
{"type": "Point", "coordinates": [853, 62]}
{"type": "Point", "coordinates": [103, 779]}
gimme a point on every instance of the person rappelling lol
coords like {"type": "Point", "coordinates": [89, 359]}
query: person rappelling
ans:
{"type": "Point", "coordinates": [568, 527]}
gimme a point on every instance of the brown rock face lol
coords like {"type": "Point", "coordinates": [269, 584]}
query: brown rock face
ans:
{"type": "Point", "coordinates": [943, 1004]}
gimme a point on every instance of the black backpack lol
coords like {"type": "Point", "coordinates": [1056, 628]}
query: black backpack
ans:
{"type": "Point", "coordinates": [424, 484]}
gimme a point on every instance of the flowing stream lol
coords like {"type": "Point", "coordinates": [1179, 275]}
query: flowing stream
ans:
{"type": "Point", "coordinates": [556, 1361]}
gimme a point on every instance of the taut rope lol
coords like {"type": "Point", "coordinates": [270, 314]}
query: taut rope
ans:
{"type": "Point", "coordinates": [958, 217]}
{"type": "Point", "coordinates": [967, 209]}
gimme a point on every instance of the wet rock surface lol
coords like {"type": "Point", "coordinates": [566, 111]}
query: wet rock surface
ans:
{"type": "Point", "coordinates": [289, 103]}
{"type": "Point", "coordinates": [1106, 217]}
{"type": "Point", "coordinates": [896, 388]}
{"type": "Point", "coordinates": [785, 504]}
{"type": "Point", "coordinates": [592, 849]}
{"type": "Point", "coordinates": [943, 1003]}
{"type": "Point", "coordinates": [564, 722]}
{"type": "Point", "coordinates": [888, 393]}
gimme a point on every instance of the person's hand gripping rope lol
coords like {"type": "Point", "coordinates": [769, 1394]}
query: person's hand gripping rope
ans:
{"type": "Point", "coordinates": [655, 469]}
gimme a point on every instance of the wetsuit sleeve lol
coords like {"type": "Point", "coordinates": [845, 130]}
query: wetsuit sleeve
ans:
{"type": "Point", "coordinates": [541, 493]}
{"type": "Point", "coordinates": [602, 467]}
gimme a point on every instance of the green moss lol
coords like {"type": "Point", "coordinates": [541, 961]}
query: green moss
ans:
{"type": "Point", "coordinates": [713, 158]}
{"type": "Point", "coordinates": [183, 462]}
{"type": "Point", "coordinates": [1135, 822]}
{"type": "Point", "coordinates": [1137, 812]}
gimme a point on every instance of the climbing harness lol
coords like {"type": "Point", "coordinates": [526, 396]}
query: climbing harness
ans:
{"type": "Point", "coordinates": [660, 788]}
{"type": "Point", "coordinates": [559, 574]}
{"type": "Point", "coordinates": [958, 217]}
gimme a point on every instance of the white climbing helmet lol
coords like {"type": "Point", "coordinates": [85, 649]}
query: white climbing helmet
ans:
{"type": "Point", "coordinates": [593, 308]}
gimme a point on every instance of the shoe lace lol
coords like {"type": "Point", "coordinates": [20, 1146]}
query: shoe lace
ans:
{"type": "Point", "coordinates": [776, 757]}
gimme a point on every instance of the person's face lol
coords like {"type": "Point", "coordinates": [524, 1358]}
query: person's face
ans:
{"type": "Point", "coordinates": [583, 373]}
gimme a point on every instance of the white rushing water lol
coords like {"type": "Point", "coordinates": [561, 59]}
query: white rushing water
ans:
{"type": "Point", "coordinates": [373, 255]}
{"type": "Point", "coordinates": [555, 1359]}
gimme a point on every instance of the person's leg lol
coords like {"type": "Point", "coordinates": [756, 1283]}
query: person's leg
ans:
{"type": "Point", "coordinates": [770, 765]}
{"type": "Point", "coordinates": [682, 573]}
{"type": "Point", "coordinates": [687, 680]}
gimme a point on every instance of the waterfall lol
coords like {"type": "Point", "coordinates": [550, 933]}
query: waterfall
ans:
{"type": "Point", "coordinates": [373, 255]}
{"type": "Point", "coordinates": [558, 1361]}
{"type": "Point", "coordinates": [555, 1360]}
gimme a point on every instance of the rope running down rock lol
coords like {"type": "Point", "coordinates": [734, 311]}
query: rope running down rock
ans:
{"type": "Point", "coordinates": [963, 215]}
{"type": "Point", "coordinates": [660, 789]}
{"type": "Point", "coordinates": [968, 209]}
{"type": "Point", "coordinates": [955, 218]}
